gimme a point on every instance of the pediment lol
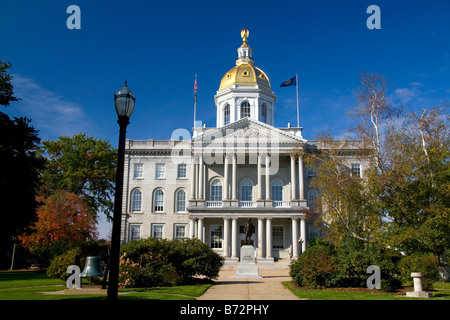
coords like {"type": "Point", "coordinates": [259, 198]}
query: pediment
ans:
{"type": "Point", "coordinates": [248, 132]}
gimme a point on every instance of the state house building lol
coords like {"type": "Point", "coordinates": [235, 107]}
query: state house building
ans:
{"type": "Point", "coordinates": [209, 185]}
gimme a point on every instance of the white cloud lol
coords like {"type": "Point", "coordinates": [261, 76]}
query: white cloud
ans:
{"type": "Point", "coordinates": [50, 113]}
{"type": "Point", "coordinates": [403, 95]}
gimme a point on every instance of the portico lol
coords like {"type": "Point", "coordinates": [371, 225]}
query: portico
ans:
{"type": "Point", "coordinates": [228, 239]}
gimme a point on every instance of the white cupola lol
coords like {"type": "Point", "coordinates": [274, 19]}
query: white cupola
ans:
{"type": "Point", "coordinates": [245, 91]}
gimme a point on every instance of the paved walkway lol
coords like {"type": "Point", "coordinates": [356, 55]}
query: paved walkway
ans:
{"type": "Point", "coordinates": [268, 287]}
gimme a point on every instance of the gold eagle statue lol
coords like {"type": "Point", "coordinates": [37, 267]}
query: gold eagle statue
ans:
{"type": "Point", "coordinates": [244, 36]}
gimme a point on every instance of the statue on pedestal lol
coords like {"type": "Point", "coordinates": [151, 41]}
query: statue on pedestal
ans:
{"type": "Point", "coordinates": [249, 229]}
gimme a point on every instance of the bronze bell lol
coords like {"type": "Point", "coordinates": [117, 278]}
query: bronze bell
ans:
{"type": "Point", "coordinates": [92, 268]}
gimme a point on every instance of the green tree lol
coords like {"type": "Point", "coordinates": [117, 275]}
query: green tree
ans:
{"type": "Point", "coordinates": [403, 198]}
{"type": "Point", "coordinates": [82, 165]}
{"type": "Point", "coordinates": [416, 184]}
{"type": "Point", "coordinates": [345, 206]}
{"type": "Point", "coordinates": [6, 88]}
{"type": "Point", "coordinates": [410, 170]}
{"type": "Point", "coordinates": [19, 177]}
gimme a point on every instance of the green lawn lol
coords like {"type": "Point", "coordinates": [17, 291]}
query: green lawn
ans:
{"type": "Point", "coordinates": [31, 285]}
{"type": "Point", "coordinates": [441, 292]}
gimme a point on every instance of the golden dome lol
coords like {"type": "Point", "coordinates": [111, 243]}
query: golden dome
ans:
{"type": "Point", "coordinates": [245, 74]}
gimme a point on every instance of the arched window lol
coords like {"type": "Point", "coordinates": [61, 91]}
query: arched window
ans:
{"type": "Point", "coordinates": [263, 113]}
{"type": "Point", "coordinates": [277, 190]}
{"type": "Point", "coordinates": [158, 202]}
{"type": "Point", "coordinates": [245, 109]}
{"type": "Point", "coordinates": [180, 201]}
{"type": "Point", "coordinates": [216, 190]}
{"type": "Point", "coordinates": [226, 114]}
{"type": "Point", "coordinates": [312, 196]}
{"type": "Point", "coordinates": [247, 190]}
{"type": "Point", "coordinates": [136, 200]}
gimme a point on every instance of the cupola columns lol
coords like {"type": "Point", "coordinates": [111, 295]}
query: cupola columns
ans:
{"type": "Point", "coordinates": [244, 51]}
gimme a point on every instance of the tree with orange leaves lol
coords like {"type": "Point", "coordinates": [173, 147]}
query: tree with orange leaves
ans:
{"type": "Point", "coordinates": [63, 217]}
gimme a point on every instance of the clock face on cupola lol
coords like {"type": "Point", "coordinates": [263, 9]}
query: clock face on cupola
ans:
{"type": "Point", "coordinates": [245, 90]}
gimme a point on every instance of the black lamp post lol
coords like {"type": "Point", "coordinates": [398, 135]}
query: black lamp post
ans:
{"type": "Point", "coordinates": [124, 101]}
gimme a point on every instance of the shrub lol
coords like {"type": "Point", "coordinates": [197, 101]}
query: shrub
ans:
{"type": "Point", "coordinates": [387, 260]}
{"type": "Point", "coordinates": [425, 263]}
{"type": "Point", "coordinates": [73, 254]}
{"type": "Point", "coordinates": [353, 258]}
{"type": "Point", "coordinates": [323, 265]}
{"type": "Point", "coordinates": [195, 258]}
{"type": "Point", "coordinates": [129, 272]}
{"type": "Point", "coordinates": [171, 262]}
{"type": "Point", "coordinates": [59, 264]}
{"type": "Point", "coordinates": [351, 266]}
{"type": "Point", "coordinates": [315, 267]}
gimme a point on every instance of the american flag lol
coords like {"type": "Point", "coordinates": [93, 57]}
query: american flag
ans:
{"type": "Point", "coordinates": [195, 89]}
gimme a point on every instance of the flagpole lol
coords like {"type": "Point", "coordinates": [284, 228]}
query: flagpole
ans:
{"type": "Point", "coordinates": [195, 97]}
{"type": "Point", "coordinates": [296, 84]}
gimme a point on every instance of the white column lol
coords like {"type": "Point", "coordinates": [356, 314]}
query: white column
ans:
{"type": "Point", "coordinates": [193, 194]}
{"type": "Point", "coordinates": [200, 177]}
{"type": "Point", "coordinates": [233, 181]}
{"type": "Point", "coordinates": [267, 177]}
{"type": "Point", "coordinates": [225, 179]}
{"type": "Point", "coordinates": [294, 238]}
{"type": "Point", "coordinates": [234, 239]}
{"type": "Point", "coordinates": [260, 187]}
{"type": "Point", "coordinates": [200, 229]}
{"type": "Point", "coordinates": [260, 238]}
{"type": "Point", "coordinates": [192, 228]}
{"type": "Point", "coordinates": [269, 238]}
{"type": "Point", "coordinates": [226, 237]}
{"type": "Point", "coordinates": [301, 191]}
{"type": "Point", "coordinates": [293, 180]}
{"type": "Point", "coordinates": [303, 233]}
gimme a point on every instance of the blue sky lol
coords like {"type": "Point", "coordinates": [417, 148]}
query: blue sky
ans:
{"type": "Point", "coordinates": [67, 78]}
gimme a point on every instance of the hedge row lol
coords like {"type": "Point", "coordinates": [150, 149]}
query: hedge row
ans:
{"type": "Point", "coordinates": [322, 266]}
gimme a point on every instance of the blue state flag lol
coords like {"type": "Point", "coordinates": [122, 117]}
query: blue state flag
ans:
{"type": "Point", "coordinates": [290, 82]}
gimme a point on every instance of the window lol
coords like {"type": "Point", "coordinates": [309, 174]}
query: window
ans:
{"type": "Point", "coordinates": [312, 196]}
{"type": "Point", "coordinates": [247, 190]}
{"type": "Point", "coordinates": [136, 200]}
{"type": "Point", "coordinates": [356, 170]}
{"type": "Point", "coordinates": [216, 237]}
{"type": "Point", "coordinates": [263, 113]}
{"type": "Point", "coordinates": [226, 114]}
{"type": "Point", "coordinates": [160, 171]}
{"type": "Point", "coordinates": [181, 171]}
{"type": "Point", "coordinates": [159, 201]}
{"type": "Point", "coordinates": [157, 231]}
{"type": "Point", "coordinates": [313, 233]}
{"type": "Point", "coordinates": [277, 190]}
{"type": "Point", "coordinates": [277, 237]}
{"type": "Point", "coordinates": [138, 171]}
{"type": "Point", "coordinates": [310, 171]}
{"type": "Point", "coordinates": [216, 190]}
{"type": "Point", "coordinates": [135, 232]}
{"type": "Point", "coordinates": [181, 201]}
{"type": "Point", "coordinates": [180, 232]}
{"type": "Point", "coordinates": [245, 109]}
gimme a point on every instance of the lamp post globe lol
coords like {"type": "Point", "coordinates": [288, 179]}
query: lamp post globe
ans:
{"type": "Point", "coordinates": [124, 101]}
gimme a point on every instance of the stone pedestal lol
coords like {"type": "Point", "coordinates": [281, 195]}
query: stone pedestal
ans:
{"type": "Point", "coordinates": [247, 267]}
{"type": "Point", "coordinates": [418, 293]}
